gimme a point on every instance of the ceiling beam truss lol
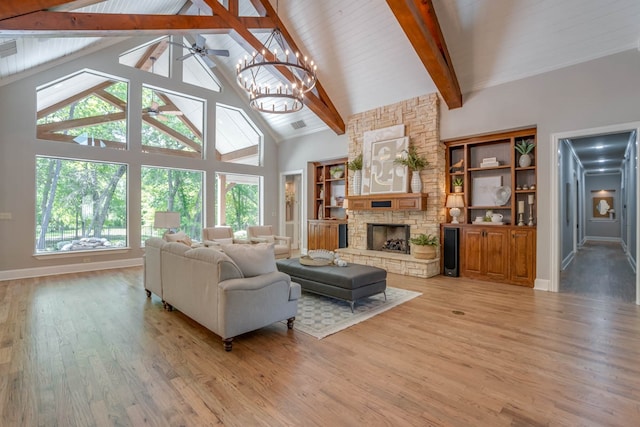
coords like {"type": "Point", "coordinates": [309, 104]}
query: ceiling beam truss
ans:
{"type": "Point", "coordinates": [419, 22]}
{"type": "Point", "coordinates": [36, 20]}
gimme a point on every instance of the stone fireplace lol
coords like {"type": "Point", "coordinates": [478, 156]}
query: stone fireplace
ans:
{"type": "Point", "coordinates": [421, 124]}
{"type": "Point", "coordinates": [393, 238]}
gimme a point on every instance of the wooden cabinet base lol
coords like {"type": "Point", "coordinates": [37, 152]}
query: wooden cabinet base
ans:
{"type": "Point", "coordinates": [505, 254]}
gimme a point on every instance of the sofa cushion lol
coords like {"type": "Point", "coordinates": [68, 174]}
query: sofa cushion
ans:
{"type": "Point", "coordinates": [267, 239]}
{"type": "Point", "coordinates": [227, 269]}
{"type": "Point", "coordinates": [253, 260]}
{"type": "Point", "coordinates": [223, 241]}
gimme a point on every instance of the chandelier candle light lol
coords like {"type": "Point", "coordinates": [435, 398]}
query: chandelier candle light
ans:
{"type": "Point", "coordinates": [255, 76]}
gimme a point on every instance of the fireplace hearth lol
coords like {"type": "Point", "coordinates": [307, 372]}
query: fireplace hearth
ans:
{"type": "Point", "coordinates": [388, 238]}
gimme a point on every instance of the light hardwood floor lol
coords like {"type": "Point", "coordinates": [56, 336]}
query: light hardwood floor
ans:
{"type": "Point", "coordinates": [91, 349]}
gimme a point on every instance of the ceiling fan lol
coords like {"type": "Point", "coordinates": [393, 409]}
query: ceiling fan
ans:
{"type": "Point", "coordinates": [199, 49]}
{"type": "Point", "coordinates": [161, 111]}
{"type": "Point", "coordinates": [155, 109]}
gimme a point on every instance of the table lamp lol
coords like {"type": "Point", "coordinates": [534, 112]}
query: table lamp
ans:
{"type": "Point", "coordinates": [455, 202]}
{"type": "Point", "coordinates": [166, 219]}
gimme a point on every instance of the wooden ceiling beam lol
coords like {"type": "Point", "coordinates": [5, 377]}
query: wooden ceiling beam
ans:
{"type": "Point", "coordinates": [170, 132]}
{"type": "Point", "coordinates": [74, 24]}
{"type": "Point", "coordinates": [170, 106]}
{"type": "Point", "coordinates": [323, 108]}
{"type": "Point", "coordinates": [10, 8]}
{"type": "Point", "coordinates": [61, 137]}
{"type": "Point", "coordinates": [80, 123]}
{"type": "Point", "coordinates": [419, 22]}
{"type": "Point", "coordinates": [154, 51]}
{"type": "Point", "coordinates": [78, 96]}
{"type": "Point", "coordinates": [239, 154]}
{"type": "Point", "coordinates": [322, 94]}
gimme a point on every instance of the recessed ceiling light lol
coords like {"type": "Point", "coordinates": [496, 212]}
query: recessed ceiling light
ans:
{"type": "Point", "coordinates": [599, 147]}
{"type": "Point", "coordinates": [601, 160]}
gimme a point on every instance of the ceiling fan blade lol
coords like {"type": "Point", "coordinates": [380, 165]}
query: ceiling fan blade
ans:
{"type": "Point", "coordinates": [200, 41]}
{"type": "Point", "coordinates": [218, 52]}
{"type": "Point", "coordinates": [183, 57]}
{"type": "Point", "coordinates": [208, 61]}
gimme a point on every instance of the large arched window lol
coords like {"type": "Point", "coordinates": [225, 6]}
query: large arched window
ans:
{"type": "Point", "coordinates": [86, 108]}
{"type": "Point", "coordinates": [238, 139]}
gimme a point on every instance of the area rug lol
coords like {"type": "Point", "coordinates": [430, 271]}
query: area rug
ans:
{"type": "Point", "coordinates": [321, 316]}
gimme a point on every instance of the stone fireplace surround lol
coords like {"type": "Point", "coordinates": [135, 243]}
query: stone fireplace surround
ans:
{"type": "Point", "coordinates": [420, 117]}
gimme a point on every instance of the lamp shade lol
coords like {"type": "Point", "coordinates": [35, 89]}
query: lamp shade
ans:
{"type": "Point", "coordinates": [165, 219]}
{"type": "Point", "coordinates": [455, 201]}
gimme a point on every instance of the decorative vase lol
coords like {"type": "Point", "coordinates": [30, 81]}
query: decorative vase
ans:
{"type": "Point", "coordinates": [423, 251]}
{"type": "Point", "coordinates": [416, 182]}
{"type": "Point", "coordinates": [357, 182]}
{"type": "Point", "coordinates": [525, 160]}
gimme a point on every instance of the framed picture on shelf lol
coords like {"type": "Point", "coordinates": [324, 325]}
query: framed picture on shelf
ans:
{"type": "Point", "coordinates": [484, 190]}
{"type": "Point", "coordinates": [386, 176]}
{"type": "Point", "coordinates": [602, 206]}
{"type": "Point", "coordinates": [369, 138]}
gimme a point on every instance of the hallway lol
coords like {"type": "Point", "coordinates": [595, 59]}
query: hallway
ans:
{"type": "Point", "coordinates": [601, 270]}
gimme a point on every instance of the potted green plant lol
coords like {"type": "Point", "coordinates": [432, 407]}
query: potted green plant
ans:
{"type": "Point", "coordinates": [457, 185]}
{"type": "Point", "coordinates": [355, 166]}
{"type": "Point", "coordinates": [415, 162]}
{"type": "Point", "coordinates": [336, 171]}
{"type": "Point", "coordinates": [424, 246]}
{"type": "Point", "coordinates": [525, 147]}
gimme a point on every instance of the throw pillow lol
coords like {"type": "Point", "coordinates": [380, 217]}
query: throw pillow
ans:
{"type": "Point", "coordinates": [174, 237]}
{"type": "Point", "coordinates": [253, 260]}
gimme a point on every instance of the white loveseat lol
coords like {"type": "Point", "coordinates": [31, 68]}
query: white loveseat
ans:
{"type": "Point", "coordinates": [209, 287]}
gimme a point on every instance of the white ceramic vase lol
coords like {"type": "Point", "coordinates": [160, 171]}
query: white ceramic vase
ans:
{"type": "Point", "coordinates": [416, 182]}
{"type": "Point", "coordinates": [357, 183]}
{"type": "Point", "coordinates": [525, 160]}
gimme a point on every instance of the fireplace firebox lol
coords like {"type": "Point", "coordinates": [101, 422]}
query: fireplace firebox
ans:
{"type": "Point", "coordinates": [388, 238]}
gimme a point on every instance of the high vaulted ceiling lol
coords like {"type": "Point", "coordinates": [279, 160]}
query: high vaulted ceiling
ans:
{"type": "Point", "coordinates": [364, 48]}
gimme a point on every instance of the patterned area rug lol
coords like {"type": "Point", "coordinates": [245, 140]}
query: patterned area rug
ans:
{"type": "Point", "coordinates": [321, 316]}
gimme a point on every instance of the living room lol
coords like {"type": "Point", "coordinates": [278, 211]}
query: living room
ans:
{"type": "Point", "coordinates": [599, 94]}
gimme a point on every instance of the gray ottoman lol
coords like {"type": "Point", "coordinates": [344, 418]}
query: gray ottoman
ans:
{"type": "Point", "coordinates": [346, 283]}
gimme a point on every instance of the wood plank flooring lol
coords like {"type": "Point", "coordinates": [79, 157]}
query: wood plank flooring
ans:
{"type": "Point", "coordinates": [91, 350]}
{"type": "Point", "coordinates": [601, 270]}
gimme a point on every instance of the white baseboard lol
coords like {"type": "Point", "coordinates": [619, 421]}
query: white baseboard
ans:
{"type": "Point", "coordinates": [567, 260]}
{"type": "Point", "coordinates": [603, 239]}
{"type": "Point", "coordinates": [69, 268]}
{"type": "Point", "coordinates": [542, 285]}
{"type": "Point", "coordinates": [632, 262]}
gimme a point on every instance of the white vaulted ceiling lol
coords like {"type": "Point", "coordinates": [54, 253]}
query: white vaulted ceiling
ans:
{"type": "Point", "coordinates": [365, 59]}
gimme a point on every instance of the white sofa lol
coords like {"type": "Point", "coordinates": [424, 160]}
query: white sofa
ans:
{"type": "Point", "coordinates": [209, 287]}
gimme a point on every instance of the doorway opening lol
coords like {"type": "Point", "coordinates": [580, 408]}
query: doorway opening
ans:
{"type": "Point", "coordinates": [291, 197]}
{"type": "Point", "coordinates": [595, 212]}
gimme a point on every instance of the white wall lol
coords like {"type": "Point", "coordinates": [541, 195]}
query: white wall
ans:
{"type": "Point", "coordinates": [18, 148]}
{"type": "Point", "coordinates": [297, 153]}
{"type": "Point", "coordinates": [598, 93]}
{"type": "Point", "coordinates": [605, 229]}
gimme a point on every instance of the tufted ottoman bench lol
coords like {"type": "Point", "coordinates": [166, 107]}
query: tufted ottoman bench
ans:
{"type": "Point", "coordinates": [348, 283]}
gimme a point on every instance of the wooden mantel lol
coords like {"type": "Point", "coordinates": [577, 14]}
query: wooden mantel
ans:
{"type": "Point", "coordinates": [389, 202]}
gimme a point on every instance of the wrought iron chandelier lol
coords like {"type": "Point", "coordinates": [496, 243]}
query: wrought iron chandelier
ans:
{"type": "Point", "coordinates": [267, 93]}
